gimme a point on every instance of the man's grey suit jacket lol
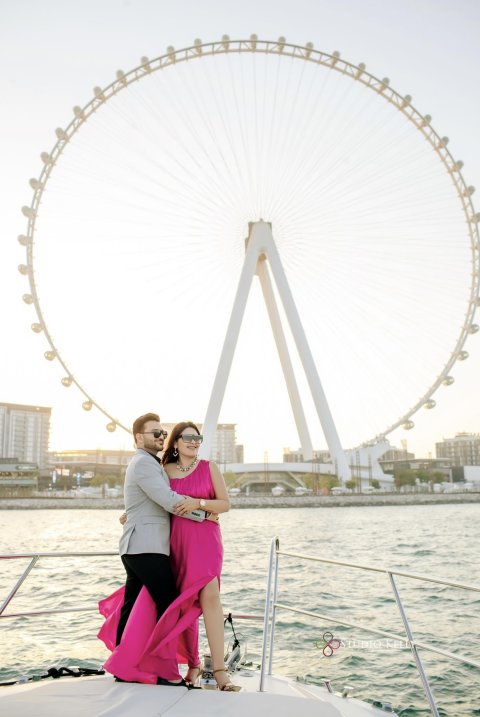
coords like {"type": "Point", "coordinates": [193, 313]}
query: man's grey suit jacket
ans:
{"type": "Point", "coordinates": [148, 497]}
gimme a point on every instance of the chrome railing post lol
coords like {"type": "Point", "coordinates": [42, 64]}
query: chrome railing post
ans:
{"type": "Point", "coordinates": [413, 647]}
{"type": "Point", "coordinates": [266, 617]}
{"type": "Point", "coordinates": [19, 582]}
{"type": "Point", "coordinates": [274, 608]}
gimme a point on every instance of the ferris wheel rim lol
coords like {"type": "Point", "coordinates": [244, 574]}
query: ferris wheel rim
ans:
{"type": "Point", "coordinates": [307, 52]}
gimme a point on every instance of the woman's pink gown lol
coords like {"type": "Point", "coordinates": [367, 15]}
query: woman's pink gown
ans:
{"type": "Point", "coordinates": [148, 649]}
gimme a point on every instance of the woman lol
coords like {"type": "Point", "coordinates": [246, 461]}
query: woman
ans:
{"type": "Point", "coordinates": [196, 549]}
{"type": "Point", "coordinates": [196, 553]}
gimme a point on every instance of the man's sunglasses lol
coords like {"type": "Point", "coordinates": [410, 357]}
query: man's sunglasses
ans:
{"type": "Point", "coordinates": [192, 438]}
{"type": "Point", "coordinates": [157, 434]}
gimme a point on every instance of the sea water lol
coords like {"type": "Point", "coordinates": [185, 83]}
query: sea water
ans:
{"type": "Point", "coordinates": [437, 540]}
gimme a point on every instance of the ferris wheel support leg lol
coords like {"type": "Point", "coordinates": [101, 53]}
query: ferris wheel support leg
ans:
{"type": "Point", "coordinates": [282, 348]}
{"type": "Point", "coordinates": [318, 395]}
{"type": "Point", "coordinates": [228, 350]}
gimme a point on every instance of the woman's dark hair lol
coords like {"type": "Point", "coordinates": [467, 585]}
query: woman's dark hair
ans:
{"type": "Point", "coordinates": [139, 423]}
{"type": "Point", "coordinates": [175, 434]}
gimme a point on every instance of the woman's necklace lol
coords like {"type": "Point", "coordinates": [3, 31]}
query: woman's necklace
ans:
{"type": "Point", "coordinates": [184, 469]}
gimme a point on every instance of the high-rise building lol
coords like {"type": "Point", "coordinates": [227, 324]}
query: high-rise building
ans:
{"type": "Point", "coordinates": [223, 444]}
{"type": "Point", "coordinates": [463, 450]}
{"type": "Point", "coordinates": [25, 432]}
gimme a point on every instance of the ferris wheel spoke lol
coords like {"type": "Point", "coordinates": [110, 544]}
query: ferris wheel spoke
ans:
{"type": "Point", "coordinates": [147, 205]}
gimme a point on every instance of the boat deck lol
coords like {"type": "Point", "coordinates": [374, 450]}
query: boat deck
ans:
{"type": "Point", "coordinates": [103, 697]}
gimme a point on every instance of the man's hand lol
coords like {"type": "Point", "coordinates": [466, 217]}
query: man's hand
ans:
{"type": "Point", "coordinates": [123, 518]}
{"type": "Point", "coordinates": [186, 506]}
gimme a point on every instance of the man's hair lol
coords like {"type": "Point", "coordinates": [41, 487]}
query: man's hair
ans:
{"type": "Point", "coordinates": [139, 423]}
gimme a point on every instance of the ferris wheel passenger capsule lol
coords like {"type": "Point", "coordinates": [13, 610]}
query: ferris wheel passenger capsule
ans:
{"type": "Point", "coordinates": [408, 425]}
{"type": "Point", "coordinates": [406, 100]}
{"type": "Point", "coordinates": [462, 355]}
{"type": "Point", "coordinates": [335, 58]}
{"type": "Point", "coordinates": [98, 92]}
{"type": "Point", "coordinates": [430, 403]}
{"type": "Point", "coordinates": [226, 41]}
{"type": "Point", "coordinates": [448, 380]}
{"type": "Point", "coordinates": [308, 50]}
{"type": "Point", "coordinates": [23, 269]}
{"type": "Point", "coordinates": [27, 298]}
{"type": "Point", "coordinates": [198, 45]}
{"type": "Point", "coordinates": [60, 133]}
{"type": "Point", "coordinates": [34, 183]}
{"type": "Point", "coordinates": [36, 328]}
{"type": "Point", "coordinates": [473, 328]}
{"type": "Point", "coordinates": [87, 405]}
{"type": "Point", "coordinates": [78, 112]}
{"type": "Point", "coordinates": [50, 355]}
{"type": "Point", "coordinates": [46, 158]}
{"type": "Point", "coordinates": [23, 240]}
{"type": "Point", "coordinates": [67, 381]}
{"type": "Point", "coordinates": [28, 212]}
{"type": "Point", "coordinates": [469, 191]}
{"type": "Point", "coordinates": [360, 70]}
{"type": "Point", "coordinates": [111, 427]}
{"type": "Point", "coordinates": [281, 42]}
{"type": "Point", "coordinates": [145, 62]}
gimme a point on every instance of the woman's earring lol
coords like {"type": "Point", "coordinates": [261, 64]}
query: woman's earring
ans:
{"type": "Point", "coordinates": [175, 453]}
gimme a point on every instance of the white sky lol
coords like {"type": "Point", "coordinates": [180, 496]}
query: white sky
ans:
{"type": "Point", "coordinates": [54, 52]}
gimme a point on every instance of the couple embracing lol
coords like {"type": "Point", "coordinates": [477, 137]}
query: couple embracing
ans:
{"type": "Point", "coordinates": [173, 564]}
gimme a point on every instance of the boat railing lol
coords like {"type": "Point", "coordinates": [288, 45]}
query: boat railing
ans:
{"type": "Point", "coordinates": [34, 559]}
{"type": "Point", "coordinates": [271, 607]}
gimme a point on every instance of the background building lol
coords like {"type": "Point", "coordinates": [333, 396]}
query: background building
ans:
{"type": "Point", "coordinates": [75, 469]}
{"type": "Point", "coordinates": [15, 475]}
{"type": "Point", "coordinates": [223, 448]}
{"type": "Point", "coordinates": [318, 456]}
{"type": "Point", "coordinates": [24, 433]}
{"type": "Point", "coordinates": [463, 450]}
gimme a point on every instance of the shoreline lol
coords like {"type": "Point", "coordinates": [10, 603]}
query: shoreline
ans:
{"type": "Point", "coordinates": [318, 501]}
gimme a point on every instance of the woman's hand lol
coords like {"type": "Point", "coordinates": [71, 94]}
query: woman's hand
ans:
{"type": "Point", "coordinates": [123, 518]}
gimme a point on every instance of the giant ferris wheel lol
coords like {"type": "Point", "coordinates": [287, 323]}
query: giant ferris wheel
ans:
{"type": "Point", "coordinates": [144, 214]}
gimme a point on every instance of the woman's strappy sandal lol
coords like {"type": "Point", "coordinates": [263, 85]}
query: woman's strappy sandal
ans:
{"type": "Point", "coordinates": [192, 681]}
{"type": "Point", "coordinates": [227, 686]}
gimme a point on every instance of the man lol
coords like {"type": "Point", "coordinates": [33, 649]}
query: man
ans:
{"type": "Point", "coordinates": [145, 542]}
